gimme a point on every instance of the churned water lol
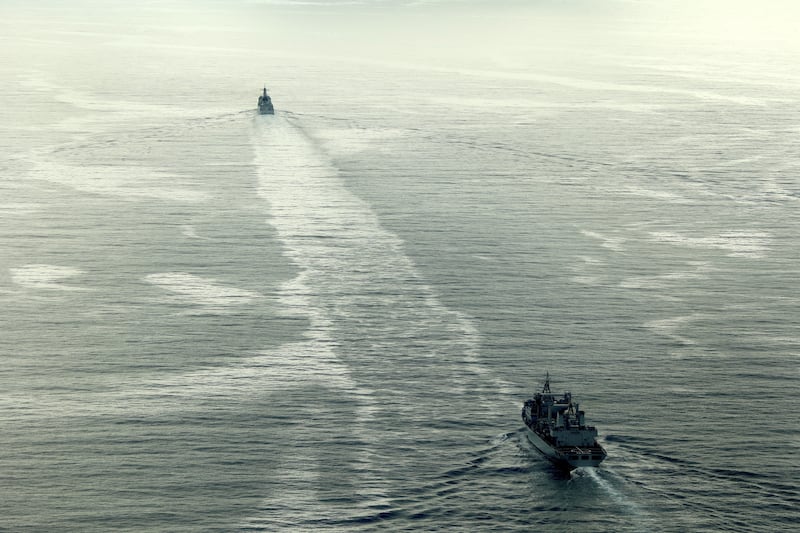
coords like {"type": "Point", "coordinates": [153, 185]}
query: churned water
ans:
{"type": "Point", "coordinates": [329, 318]}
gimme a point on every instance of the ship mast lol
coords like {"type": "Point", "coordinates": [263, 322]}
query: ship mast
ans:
{"type": "Point", "coordinates": [546, 387]}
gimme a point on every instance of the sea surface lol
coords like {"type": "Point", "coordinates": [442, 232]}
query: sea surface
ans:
{"type": "Point", "coordinates": [328, 319]}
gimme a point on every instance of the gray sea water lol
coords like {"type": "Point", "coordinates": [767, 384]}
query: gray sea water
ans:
{"type": "Point", "coordinates": [328, 319]}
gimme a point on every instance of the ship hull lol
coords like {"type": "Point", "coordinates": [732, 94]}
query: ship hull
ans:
{"type": "Point", "coordinates": [566, 457]}
{"type": "Point", "coordinates": [266, 111]}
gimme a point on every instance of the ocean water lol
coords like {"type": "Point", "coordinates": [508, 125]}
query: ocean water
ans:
{"type": "Point", "coordinates": [328, 319]}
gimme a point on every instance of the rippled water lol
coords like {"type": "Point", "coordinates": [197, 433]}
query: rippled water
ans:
{"type": "Point", "coordinates": [328, 319]}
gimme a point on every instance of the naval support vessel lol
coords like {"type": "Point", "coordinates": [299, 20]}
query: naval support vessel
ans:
{"type": "Point", "coordinates": [557, 428]}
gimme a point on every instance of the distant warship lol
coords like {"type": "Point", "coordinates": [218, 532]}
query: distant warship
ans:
{"type": "Point", "coordinates": [557, 427]}
{"type": "Point", "coordinates": [265, 104]}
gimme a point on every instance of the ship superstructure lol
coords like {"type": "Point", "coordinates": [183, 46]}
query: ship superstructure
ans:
{"type": "Point", "coordinates": [557, 427]}
{"type": "Point", "coordinates": [265, 104]}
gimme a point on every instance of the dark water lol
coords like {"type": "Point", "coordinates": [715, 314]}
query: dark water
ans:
{"type": "Point", "coordinates": [329, 319]}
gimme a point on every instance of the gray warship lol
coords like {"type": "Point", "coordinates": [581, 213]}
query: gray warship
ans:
{"type": "Point", "coordinates": [557, 428]}
{"type": "Point", "coordinates": [265, 104]}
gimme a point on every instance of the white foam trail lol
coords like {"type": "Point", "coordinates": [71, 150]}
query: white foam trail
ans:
{"type": "Point", "coordinates": [337, 239]}
{"type": "Point", "coordinates": [662, 281]}
{"type": "Point", "coordinates": [188, 230]}
{"type": "Point", "coordinates": [581, 275]}
{"type": "Point", "coordinates": [323, 229]}
{"type": "Point", "coordinates": [667, 196]}
{"type": "Point", "coordinates": [40, 276]}
{"type": "Point", "coordinates": [352, 269]}
{"type": "Point", "coordinates": [750, 244]}
{"type": "Point", "coordinates": [620, 499]}
{"type": "Point", "coordinates": [668, 327]}
{"type": "Point", "coordinates": [611, 242]}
